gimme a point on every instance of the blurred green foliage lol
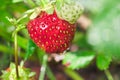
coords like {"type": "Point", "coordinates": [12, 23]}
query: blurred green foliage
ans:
{"type": "Point", "coordinates": [9, 9]}
{"type": "Point", "coordinates": [104, 33]}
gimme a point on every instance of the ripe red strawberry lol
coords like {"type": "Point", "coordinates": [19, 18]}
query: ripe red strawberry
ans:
{"type": "Point", "coordinates": [53, 32]}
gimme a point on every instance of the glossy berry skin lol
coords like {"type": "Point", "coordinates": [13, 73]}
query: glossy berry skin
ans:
{"type": "Point", "coordinates": [51, 33]}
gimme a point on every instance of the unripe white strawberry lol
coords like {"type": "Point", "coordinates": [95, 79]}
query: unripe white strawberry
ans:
{"type": "Point", "coordinates": [70, 10]}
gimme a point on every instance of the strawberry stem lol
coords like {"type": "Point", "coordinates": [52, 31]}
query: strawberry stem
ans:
{"type": "Point", "coordinates": [16, 54]}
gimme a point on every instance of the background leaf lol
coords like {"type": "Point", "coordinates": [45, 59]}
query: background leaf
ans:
{"type": "Point", "coordinates": [104, 33]}
{"type": "Point", "coordinates": [30, 49]}
{"type": "Point", "coordinates": [16, 1]}
{"type": "Point", "coordinates": [76, 60]}
{"type": "Point", "coordinates": [94, 6]}
{"type": "Point", "coordinates": [103, 61]}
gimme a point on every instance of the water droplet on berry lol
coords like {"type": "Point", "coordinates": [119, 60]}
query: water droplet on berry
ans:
{"type": "Point", "coordinates": [43, 26]}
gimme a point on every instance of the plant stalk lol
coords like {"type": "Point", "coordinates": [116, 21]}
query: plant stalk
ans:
{"type": "Point", "coordinates": [108, 74]}
{"type": "Point", "coordinates": [16, 54]}
{"type": "Point", "coordinates": [43, 67]}
{"type": "Point", "coordinates": [71, 73]}
{"type": "Point", "coordinates": [50, 74]}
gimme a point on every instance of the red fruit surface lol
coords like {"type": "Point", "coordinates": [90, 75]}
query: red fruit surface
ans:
{"type": "Point", "coordinates": [51, 33]}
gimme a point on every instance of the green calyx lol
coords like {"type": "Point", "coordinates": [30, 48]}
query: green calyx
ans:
{"type": "Point", "coordinates": [24, 73]}
{"type": "Point", "coordinates": [69, 10]}
{"type": "Point", "coordinates": [45, 5]}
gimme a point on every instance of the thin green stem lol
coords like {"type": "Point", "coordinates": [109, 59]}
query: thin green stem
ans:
{"type": "Point", "coordinates": [108, 74]}
{"type": "Point", "coordinates": [43, 67]}
{"type": "Point", "coordinates": [21, 18]}
{"type": "Point", "coordinates": [71, 73]}
{"type": "Point", "coordinates": [16, 54]}
{"type": "Point", "coordinates": [25, 15]}
{"type": "Point", "coordinates": [50, 74]}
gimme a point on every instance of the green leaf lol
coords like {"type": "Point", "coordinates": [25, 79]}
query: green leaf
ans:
{"type": "Point", "coordinates": [103, 61]}
{"type": "Point", "coordinates": [104, 34]}
{"type": "Point", "coordinates": [43, 3]}
{"type": "Point", "coordinates": [30, 49]}
{"type": "Point", "coordinates": [31, 74]}
{"type": "Point", "coordinates": [16, 1]}
{"type": "Point", "coordinates": [24, 73]}
{"type": "Point", "coordinates": [76, 60]}
{"type": "Point", "coordinates": [22, 42]}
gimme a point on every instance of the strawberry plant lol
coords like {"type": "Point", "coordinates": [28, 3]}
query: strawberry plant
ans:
{"type": "Point", "coordinates": [54, 35]}
{"type": "Point", "coordinates": [49, 28]}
